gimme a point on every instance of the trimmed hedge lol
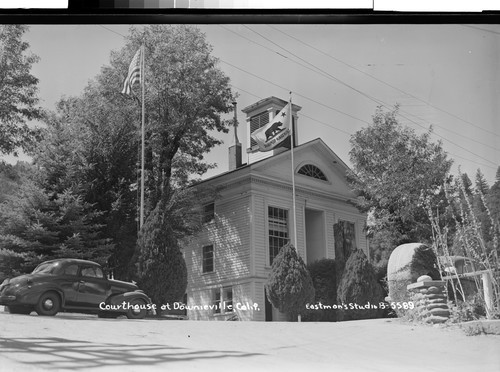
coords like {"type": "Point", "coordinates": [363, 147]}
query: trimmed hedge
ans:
{"type": "Point", "coordinates": [359, 289]}
{"type": "Point", "coordinates": [289, 286]}
{"type": "Point", "coordinates": [323, 276]}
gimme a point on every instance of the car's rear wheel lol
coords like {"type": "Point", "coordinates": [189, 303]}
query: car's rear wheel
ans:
{"type": "Point", "coordinates": [49, 304]}
{"type": "Point", "coordinates": [137, 309]}
{"type": "Point", "coordinates": [19, 309]}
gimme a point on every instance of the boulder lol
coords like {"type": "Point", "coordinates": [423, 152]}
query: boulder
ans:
{"type": "Point", "coordinates": [407, 263]}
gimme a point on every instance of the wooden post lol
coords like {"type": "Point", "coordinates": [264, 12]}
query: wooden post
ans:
{"type": "Point", "coordinates": [488, 293]}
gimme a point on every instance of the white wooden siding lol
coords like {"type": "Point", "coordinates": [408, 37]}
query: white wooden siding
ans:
{"type": "Point", "coordinates": [230, 235]}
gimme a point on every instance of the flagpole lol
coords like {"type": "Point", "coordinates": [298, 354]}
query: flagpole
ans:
{"type": "Point", "coordinates": [293, 173]}
{"type": "Point", "coordinates": [142, 140]}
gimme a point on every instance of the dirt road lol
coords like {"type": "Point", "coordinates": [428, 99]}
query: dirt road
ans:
{"type": "Point", "coordinates": [86, 343]}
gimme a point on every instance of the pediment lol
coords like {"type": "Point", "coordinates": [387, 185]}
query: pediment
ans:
{"type": "Point", "coordinates": [316, 154]}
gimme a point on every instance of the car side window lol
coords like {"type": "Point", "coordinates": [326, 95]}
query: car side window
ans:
{"type": "Point", "coordinates": [99, 273]}
{"type": "Point", "coordinates": [71, 270]}
{"type": "Point", "coordinates": [89, 272]}
{"type": "Point", "coordinates": [93, 272]}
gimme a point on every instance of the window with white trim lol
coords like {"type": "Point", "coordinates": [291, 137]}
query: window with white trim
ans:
{"type": "Point", "coordinates": [208, 212]}
{"type": "Point", "coordinates": [312, 171]}
{"type": "Point", "coordinates": [278, 231]}
{"type": "Point", "coordinates": [223, 300]}
{"type": "Point", "coordinates": [208, 258]}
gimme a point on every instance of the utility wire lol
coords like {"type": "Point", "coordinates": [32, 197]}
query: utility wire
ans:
{"type": "Point", "coordinates": [350, 134]}
{"type": "Point", "coordinates": [394, 87]}
{"type": "Point", "coordinates": [369, 97]}
{"type": "Point", "coordinates": [112, 31]}
{"type": "Point", "coordinates": [302, 114]}
{"type": "Point", "coordinates": [330, 126]}
{"type": "Point", "coordinates": [288, 90]}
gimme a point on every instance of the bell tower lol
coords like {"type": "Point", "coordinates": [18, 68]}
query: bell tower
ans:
{"type": "Point", "coordinates": [258, 115]}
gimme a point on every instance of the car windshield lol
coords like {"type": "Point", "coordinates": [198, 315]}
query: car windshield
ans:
{"type": "Point", "coordinates": [46, 268]}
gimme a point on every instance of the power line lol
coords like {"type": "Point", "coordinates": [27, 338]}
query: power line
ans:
{"type": "Point", "coordinates": [112, 31]}
{"type": "Point", "coordinates": [321, 71]}
{"type": "Point", "coordinates": [482, 29]}
{"type": "Point", "coordinates": [392, 86]}
{"type": "Point", "coordinates": [316, 120]}
{"type": "Point", "coordinates": [362, 93]}
{"type": "Point", "coordinates": [375, 100]}
{"type": "Point", "coordinates": [350, 134]}
{"type": "Point", "coordinates": [287, 90]}
{"type": "Point", "coordinates": [379, 101]}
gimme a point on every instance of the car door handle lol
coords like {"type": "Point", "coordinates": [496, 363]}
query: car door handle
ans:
{"type": "Point", "coordinates": [82, 282]}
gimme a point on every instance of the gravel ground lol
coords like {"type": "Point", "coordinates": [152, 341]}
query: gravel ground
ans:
{"type": "Point", "coordinates": [85, 343]}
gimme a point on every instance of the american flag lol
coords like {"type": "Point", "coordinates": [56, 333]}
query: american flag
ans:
{"type": "Point", "coordinates": [134, 73]}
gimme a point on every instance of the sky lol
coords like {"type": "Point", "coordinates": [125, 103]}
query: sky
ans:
{"type": "Point", "coordinates": [444, 75]}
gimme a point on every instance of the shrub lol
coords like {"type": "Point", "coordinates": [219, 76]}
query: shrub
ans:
{"type": "Point", "coordinates": [289, 286]}
{"type": "Point", "coordinates": [161, 269]}
{"type": "Point", "coordinates": [359, 286]}
{"type": "Point", "coordinates": [325, 286]}
{"type": "Point", "coordinates": [10, 263]}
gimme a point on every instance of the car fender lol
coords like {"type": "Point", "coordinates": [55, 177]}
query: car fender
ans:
{"type": "Point", "coordinates": [119, 298]}
{"type": "Point", "coordinates": [31, 294]}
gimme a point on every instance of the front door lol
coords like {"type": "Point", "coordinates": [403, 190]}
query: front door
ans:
{"type": "Point", "coordinates": [68, 281]}
{"type": "Point", "coordinates": [268, 308]}
{"type": "Point", "coordinates": [93, 287]}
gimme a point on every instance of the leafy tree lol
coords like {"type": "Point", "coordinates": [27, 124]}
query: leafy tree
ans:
{"type": "Point", "coordinates": [186, 94]}
{"type": "Point", "coordinates": [393, 169]}
{"type": "Point", "coordinates": [289, 286]}
{"type": "Point", "coordinates": [18, 91]}
{"type": "Point", "coordinates": [91, 143]}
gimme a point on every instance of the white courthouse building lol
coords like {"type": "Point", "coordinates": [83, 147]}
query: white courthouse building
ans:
{"type": "Point", "coordinates": [252, 217]}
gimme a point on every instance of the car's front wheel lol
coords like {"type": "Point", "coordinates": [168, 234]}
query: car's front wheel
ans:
{"type": "Point", "coordinates": [49, 304]}
{"type": "Point", "coordinates": [18, 309]}
{"type": "Point", "coordinates": [137, 309]}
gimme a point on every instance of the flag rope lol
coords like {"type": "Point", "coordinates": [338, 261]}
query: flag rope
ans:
{"type": "Point", "coordinates": [292, 138]}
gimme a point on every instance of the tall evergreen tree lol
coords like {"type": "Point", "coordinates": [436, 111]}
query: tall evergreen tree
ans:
{"type": "Point", "coordinates": [18, 91]}
{"type": "Point", "coordinates": [480, 205]}
{"type": "Point", "coordinates": [36, 226]}
{"type": "Point", "coordinates": [494, 200]}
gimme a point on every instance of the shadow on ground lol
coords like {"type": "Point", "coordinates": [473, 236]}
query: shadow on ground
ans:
{"type": "Point", "coordinates": [53, 353]}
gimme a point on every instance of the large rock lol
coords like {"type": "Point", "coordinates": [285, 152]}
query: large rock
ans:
{"type": "Point", "coordinates": [406, 264]}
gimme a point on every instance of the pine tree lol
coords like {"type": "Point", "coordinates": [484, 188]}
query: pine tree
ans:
{"type": "Point", "coordinates": [18, 91]}
{"type": "Point", "coordinates": [161, 269]}
{"type": "Point", "coordinates": [36, 226]}
{"type": "Point", "coordinates": [480, 206]}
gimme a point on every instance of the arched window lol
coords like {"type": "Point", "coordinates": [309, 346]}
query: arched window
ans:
{"type": "Point", "coordinates": [312, 171]}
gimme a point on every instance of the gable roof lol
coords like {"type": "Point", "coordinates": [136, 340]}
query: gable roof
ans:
{"type": "Point", "coordinates": [317, 143]}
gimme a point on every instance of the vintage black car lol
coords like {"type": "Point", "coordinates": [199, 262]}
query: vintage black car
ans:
{"type": "Point", "coordinates": [73, 285]}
